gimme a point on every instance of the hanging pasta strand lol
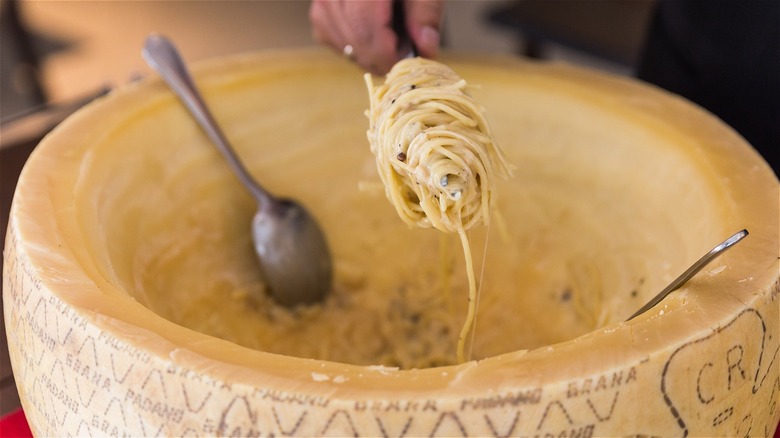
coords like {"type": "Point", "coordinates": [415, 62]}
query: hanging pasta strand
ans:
{"type": "Point", "coordinates": [435, 155]}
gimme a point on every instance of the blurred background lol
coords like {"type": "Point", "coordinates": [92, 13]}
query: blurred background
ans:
{"type": "Point", "coordinates": [59, 55]}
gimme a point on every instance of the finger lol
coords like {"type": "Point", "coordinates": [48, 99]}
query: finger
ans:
{"type": "Point", "coordinates": [326, 28]}
{"type": "Point", "coordinates": [370, 34]}
{"type": "Point", "coordinates": [423, 21]}
{"type": "Point", "coordinates": [364, 25]}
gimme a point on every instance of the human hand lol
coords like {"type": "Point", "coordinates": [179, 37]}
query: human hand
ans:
{"type": "Point", "coordinates": [366, 27]}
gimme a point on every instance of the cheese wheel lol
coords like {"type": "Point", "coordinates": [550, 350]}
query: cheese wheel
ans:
{"type": "Point", "coordinates": [619, 187]}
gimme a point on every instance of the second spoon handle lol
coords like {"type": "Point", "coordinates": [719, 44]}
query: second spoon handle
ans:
{"type": "Point", "coordinates": [161, 55]}
{"type": "Point", "coordinates": [690, 272]}
{"type": "Point", "coordinates": [398, 22]}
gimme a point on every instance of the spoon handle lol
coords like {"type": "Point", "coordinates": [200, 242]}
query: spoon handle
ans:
{"type": "Point", "coordinates": [405, 43]}
{"type": "Point", "coordinates": [162, 56]}
{"type": "Point", "coordinates": [690, 272]}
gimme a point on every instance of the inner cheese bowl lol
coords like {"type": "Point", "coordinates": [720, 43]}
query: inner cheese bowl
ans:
{"type": "Point", "coordinates": [134, 305]}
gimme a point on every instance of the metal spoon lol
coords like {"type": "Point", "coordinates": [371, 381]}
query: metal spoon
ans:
{"type": "Point", "coordinates": [405, 44]}
{"type": "Point", "coordinates": [690, 272]}
{"type": "Point", "coordinates": [294, 257]}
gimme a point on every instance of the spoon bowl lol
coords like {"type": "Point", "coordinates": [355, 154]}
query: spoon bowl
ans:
{"type": "Point", "coordinates": [293, 253]}
{"type": "Point", "coordinates": [294, 257]}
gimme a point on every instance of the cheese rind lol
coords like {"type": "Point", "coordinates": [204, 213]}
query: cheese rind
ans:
{"type": "Point", "coordinates": [90, 359]}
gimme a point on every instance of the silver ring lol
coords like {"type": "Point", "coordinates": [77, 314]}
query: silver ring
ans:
{"type": "Point", "coordinates": [349, 52]}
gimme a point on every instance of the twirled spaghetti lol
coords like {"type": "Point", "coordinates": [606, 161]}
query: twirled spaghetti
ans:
{"type": "Point", "coordinates": [435, 155]}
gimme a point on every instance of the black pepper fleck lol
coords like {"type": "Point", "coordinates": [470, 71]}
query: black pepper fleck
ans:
{"type": "Point", "coordinates": [401, 156]}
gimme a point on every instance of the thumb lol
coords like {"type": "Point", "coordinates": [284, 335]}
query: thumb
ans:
{"type": "Point", "coordinates": [423, 21]}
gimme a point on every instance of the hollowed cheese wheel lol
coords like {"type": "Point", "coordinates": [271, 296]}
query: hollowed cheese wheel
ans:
{"type": "Point", "coordinates": [617, 183]}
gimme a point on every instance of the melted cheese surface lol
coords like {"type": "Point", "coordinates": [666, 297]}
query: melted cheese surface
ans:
{"type": "Point", "coordinates": [574, 246]}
